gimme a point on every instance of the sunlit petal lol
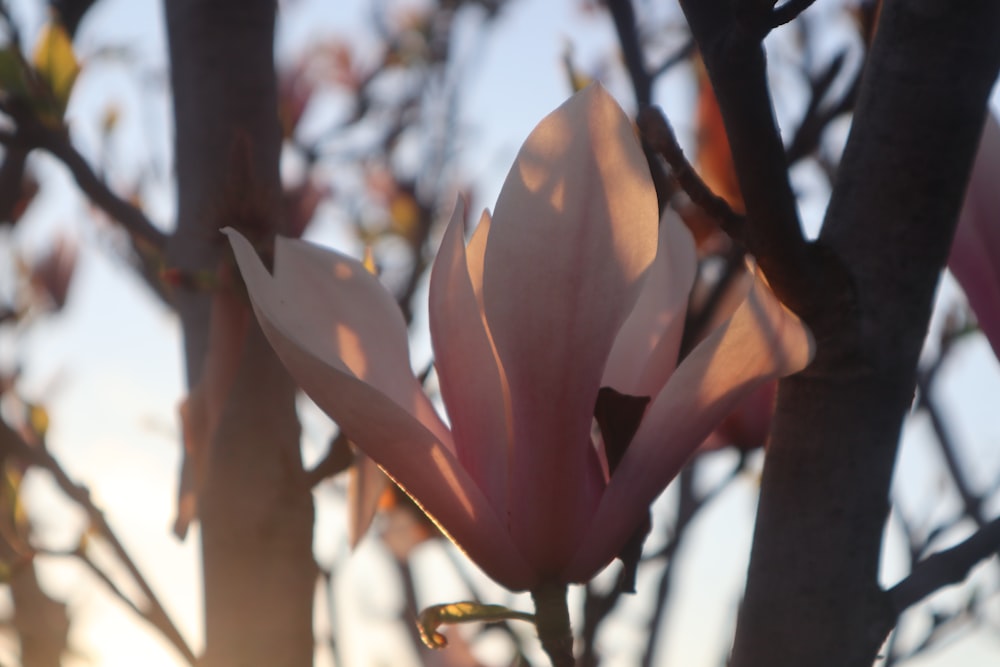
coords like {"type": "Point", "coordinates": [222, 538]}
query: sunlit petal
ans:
{"type": "Point", "coordinates": [763, 340]}
{"type": "Point", "coordinates": [471, 382]}
{"type": "Point", "coordinates": [332, 306]}
{"type": "Point", "coordinates": [645, 351]}
{"type": "Point", "coordinates": [404, 447]}
{"type": "Point", "coordinates": [573, 234]}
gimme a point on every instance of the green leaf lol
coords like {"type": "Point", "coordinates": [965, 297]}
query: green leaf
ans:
{"type": "Point", "coordinates": [13, 77]}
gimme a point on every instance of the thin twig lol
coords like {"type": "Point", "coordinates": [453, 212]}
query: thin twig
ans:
{"type": "Point", "coordinates": [972, 503]}
{"type": "Point", "coordinates": [732, 50]}
{"type": "Point", "coordinates": [816, 117]}
{"type": "Point", "coordinates": [12, 442]}
{"type": "Point", "coordinates": [656, 130]}
{"type": "Point", "coordinates": [675, 58]}
{"type": "Point", "coordinates": [944, 568]}
{"type": "Point", "coordinates": [788, 12]}
{"type": "Point", "coordinates": [131, 218]}
{"type": "Point", "coordinates": [623, 15]}
{"type": "Point", "coordinates": [698, 320]}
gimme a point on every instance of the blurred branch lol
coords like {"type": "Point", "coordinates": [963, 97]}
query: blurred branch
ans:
{"type": "Point", "coordinates": [328, 588]}
{"type": "Point", "coordinates": [338, 458]}
{"type": "Point", "coordinates": [682, 54]}
{"type": "Point", "coordinates": [598, 605]}
{"type": "Point", "coordinates": [970, 501]}
{"type": "Point", "coordinates": [32, 134]}
{"type": "Point", "coordinates": [730, 40]}
{"type": "Point", "coordinates": [147, 241]}
{"type": "Point", "coordinates": [623, 15]}
{"type": "Point", "coordinates": [817, 118]}
{"type": "Point", "coordinates": [944, 568]}
{"type": "Point", "coordinates": [698, 320]}
{"type": "Point", "coordinates": [13, 444]}
{"type": "Point", "coordinates": [788, 12]}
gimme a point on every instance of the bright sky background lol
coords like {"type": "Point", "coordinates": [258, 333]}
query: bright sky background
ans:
{"type": "Point", "coordinates": [109, 366]}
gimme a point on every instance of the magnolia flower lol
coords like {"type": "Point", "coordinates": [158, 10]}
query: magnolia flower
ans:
{"type": "Point", "coordinates": [975, 252]}
{"type": "Point", "coordinates": [570, 286]}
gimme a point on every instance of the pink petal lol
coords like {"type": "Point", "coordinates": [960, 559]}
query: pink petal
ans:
{"type": "Point", "coordinates": [476, 255]}
{"type": "Point", "coordinates": [472, 385]}
{"type": "Point", "coordinates": [409, 452]}
{"type": "Point", "coordinates": [975, 252]}
{"type": "Point", "coordinates": [763, 340]}
{"type": "Point", "coordinates": [645, 351]}
{"type": "Point", "coordinates": [342, 314]}
{"type": "Point", "coordinates": [573, 234]}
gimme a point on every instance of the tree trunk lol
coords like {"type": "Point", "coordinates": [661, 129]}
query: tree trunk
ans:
{"type": "Point", "coordinates": [813, 596]}
{"type": "Point", "coordinates": [255, 508]}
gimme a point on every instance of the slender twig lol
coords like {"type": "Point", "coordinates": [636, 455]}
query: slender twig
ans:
{"type": "Point", "coordinates": [337, 459]}
{"type": "Point", "coordinates": [972, 503]}
{"type": "Point", "coordinates": [623, 15]}
{"type": "Point", "coordinates": [944, 568]}
{"type": "Point", "coordinates": [38, 455]}
{"type": "Point", "coordinates": [660, 136]}
{"type": "Point", "coordinates": [817, 117]}
{"type": "Point", "coordinates": [331, 640]}
{"type": "Point", "coordinates": [675, 58]}
{"type": "Point", "coordinates": [148, 241]}
{"type": "Point", "coordinates": [788, 12]}
{"type": "Point", "coordinates": [732, 50]}
{"type": "Point", "coordinates": [131, 218]}
{"type": "Point", "coordinates": [698, 319]}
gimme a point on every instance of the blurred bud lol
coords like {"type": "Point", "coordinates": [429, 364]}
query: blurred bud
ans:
{"type": "Point", "coordinates": [109, 119]}
{"type": "Point", "coordinates": [51, 276]}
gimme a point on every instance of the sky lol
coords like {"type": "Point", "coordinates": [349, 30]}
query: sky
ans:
{"type": "Point", "coordinates": [109, 366]}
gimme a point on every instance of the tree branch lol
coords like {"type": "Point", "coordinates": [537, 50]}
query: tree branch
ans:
{"type": "Point", "coordinates": [13, 444]}
{"type": "Point", "coordinates": [623, 15]}
{"type": "Point", "coordinates": [944, 568]}
{"type": "Point", "coordinates": [817, 118]}
{"type": "Point", "coordinates": [730, 45]}
{"type": "Point", "coordinates": [814, 567]}
{"type": "Point", "coordinates": [970, 501]}
{"type": "Point", "coordinates": [656, 131]}
{"type": "Point", "coordinates": [788, 12]}
{"type": "Point", "coordinates": [33, 134]}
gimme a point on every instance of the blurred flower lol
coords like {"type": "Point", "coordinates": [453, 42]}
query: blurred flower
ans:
{"type": "Point", "coordinates": [51, 276]}
{"type": "Point", "coordinates": [975, 252]}
{"type": "Point", "coordinates": [569, 288]}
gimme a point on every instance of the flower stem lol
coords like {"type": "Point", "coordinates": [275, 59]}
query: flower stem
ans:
{"type": "Point", "coordinates": [552, 622]}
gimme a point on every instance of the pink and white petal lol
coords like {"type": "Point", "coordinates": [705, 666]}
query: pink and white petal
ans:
{"type": "Point", "coordinates": [645, 351]}
{"type": "Point", "coordinates": [365, 487]}
{"type": "Point", "coordinates": [412, 455]}
{"type": "Point", "coordinates": [573, 235]}
{"type": "Point", "coordinates": [472, 384]}
{"type": "Point", "coordinates": [975, 252]}
{"type": "Point", "coordinates": [763, 340]}
{"type": "Point", "coordinates": [330, 305]}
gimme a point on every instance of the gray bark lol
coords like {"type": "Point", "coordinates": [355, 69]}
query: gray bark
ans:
{"type": "Point", "coordinates": [255, 508]}
{"type": "Point", "coordinates": [813, 596]}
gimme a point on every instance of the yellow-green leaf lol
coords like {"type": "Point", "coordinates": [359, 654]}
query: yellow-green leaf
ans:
{"type": "Point", "coordinates": [433, 617]}
{"type": "Point", "coordinates": [56, 62]}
